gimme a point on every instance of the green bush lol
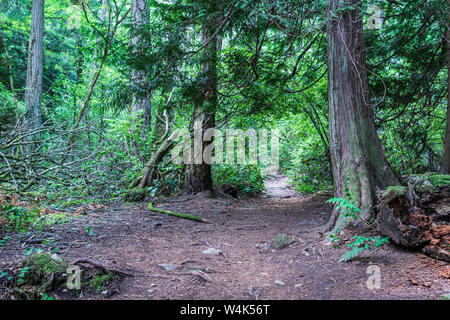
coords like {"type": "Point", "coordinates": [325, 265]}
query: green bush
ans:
{"type": "Point", "coordinates": [7, 110]}
{"type": "Point", "coordinates": [311, 169]}
{"type": "Point", "coordinates": [246, 179]}
{"type": "Point", "coordinates": [19, 218]}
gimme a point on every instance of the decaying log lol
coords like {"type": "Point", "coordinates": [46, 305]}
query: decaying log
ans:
{"type": "Point", "coordinates": [417, 216]}
{"type": "Point", "coordinates": [402, 221]}
{"type": "Point", "coordinates": [439, 245]}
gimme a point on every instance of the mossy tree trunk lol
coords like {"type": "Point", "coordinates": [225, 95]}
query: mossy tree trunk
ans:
{"type": "Point", "coordinates": [198, 173]}
{"type": "Point", "coordinates": [445, 163]}
{"type": "Point", "coordinates": [357, 157]}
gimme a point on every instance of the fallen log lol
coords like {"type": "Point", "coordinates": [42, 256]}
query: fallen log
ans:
{"type": "Point", "coordinates": [145, 179]}
{"type": "Point", "coordinates": [417, 216]}
{"type": "Point", "coordinates": [137, 191]}
{"type": "Point", "coordinates": [176, 214]}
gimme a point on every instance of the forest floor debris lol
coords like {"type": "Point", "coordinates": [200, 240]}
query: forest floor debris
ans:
{"type": "Point", "coordinates": [127, 239]}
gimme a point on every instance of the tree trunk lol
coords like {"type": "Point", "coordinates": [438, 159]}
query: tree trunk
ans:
{"type": "Point", "coordinates": [198, 174]}
{"type": "Point", "coordinates": [79, 61]}
{"type": "Point", "coordinates": [142, 100]}
{"type": "Point", "coordinates": [33, 92]}
{"type": "Point", "coordinates": [445, 163]}
{"type": "Point", "coordinates": [359, 165]}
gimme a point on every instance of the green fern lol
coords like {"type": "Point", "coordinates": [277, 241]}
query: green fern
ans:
{"type": "Point", "coordinates": [346, 207]}
{"type": "Point", "coordinates": [4, 240]}
{"type": "Point", "coordinates": [362, 244]}
{"type": "Point", "coordinates": [22, 274]}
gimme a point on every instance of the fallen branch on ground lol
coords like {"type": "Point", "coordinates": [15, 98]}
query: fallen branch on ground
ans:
{"type": "Point", "coordinates": [200, 274]}
{"type": "Point", "coordinates": [100, 266]}
{"type": "Point", "coordinates": [175, 214]}
{"type": "Point", "coordinates": [251, 227]}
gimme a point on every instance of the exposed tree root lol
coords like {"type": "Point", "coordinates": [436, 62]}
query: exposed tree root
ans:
{"type": "Point", "coordinates": [201, 275]}
{"type": "Point", "coordinates": [101, 267]}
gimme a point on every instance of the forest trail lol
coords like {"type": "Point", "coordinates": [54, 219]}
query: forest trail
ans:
{"type": "Point", "coordinates": [265, 248]}
{"type": "Point", "coordinates": [278, 186]}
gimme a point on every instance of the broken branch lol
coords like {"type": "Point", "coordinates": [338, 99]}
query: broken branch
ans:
{"type": "Point", "coordinates": [176, 214]}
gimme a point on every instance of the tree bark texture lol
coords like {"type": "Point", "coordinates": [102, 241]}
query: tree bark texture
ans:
{"type": "Point", "coordinates": [33, 92]}
{"type": "Point", "coordinates": [358, 161]}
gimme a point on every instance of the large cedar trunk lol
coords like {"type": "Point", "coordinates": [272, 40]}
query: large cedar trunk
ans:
{"type": "Point", "coordinates": [357, 157]}
{"type": "Point", "coordinates": [198, 174]}
{"type": "Point", "coordinates": [33, 92]}
{"type": "Point", "coordinates": [142, 100]}
{"type": "Point", "coordinates": [445, 163]}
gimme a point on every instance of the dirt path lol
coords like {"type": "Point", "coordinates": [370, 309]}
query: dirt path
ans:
{"type": "Point", "coordinates": [133, 239]}
{"type": "Point", "coordinates": [278, 187]}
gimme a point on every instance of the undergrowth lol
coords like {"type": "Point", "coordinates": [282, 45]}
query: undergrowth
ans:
{"type": "Point", "coordinates": [246, 179]}
{"type": "Point", "coordinates": [360, 243]}
{"type": "Point", "coordinates": [19, 216]}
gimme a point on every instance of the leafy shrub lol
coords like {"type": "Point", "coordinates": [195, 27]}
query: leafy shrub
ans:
{"type": "Point", "coordinates": [310, 169]}
{"type": "Point", "coordinates": [19, 218]}
{"type": "Point", "coordinates": [4, 240]}
{"type": "Point", "coordinates": [7, 110]}
{"type": "Point", "coordinates": [246, 179]}
{"type": "Point", "coordinates": [346, 207]}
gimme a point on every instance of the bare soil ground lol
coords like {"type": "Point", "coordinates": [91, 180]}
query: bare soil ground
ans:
{"type": "Point", "coordinates": [133, 239]}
